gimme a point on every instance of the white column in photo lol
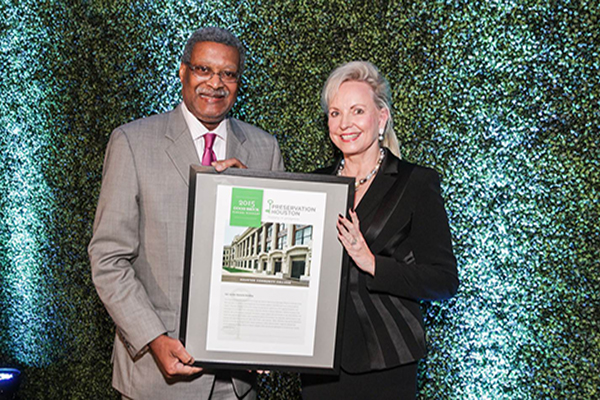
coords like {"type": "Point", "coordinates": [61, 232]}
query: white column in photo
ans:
{"type": "Point", "coordinates": [308, 263]}
{"type": "Point", "coordinates": [289, 243]}
{"type": "Point", "coordinates": [262, 264]}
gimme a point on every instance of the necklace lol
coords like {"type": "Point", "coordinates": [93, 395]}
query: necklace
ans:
{"type": "Point", "coordinates": [369, 175]}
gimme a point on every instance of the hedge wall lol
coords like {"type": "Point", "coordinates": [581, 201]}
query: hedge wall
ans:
{"type": "Point", "coordinates": [499, 96]}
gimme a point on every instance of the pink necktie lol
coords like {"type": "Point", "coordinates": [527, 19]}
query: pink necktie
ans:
{"type": "Point", "coordinates": [209, 155]}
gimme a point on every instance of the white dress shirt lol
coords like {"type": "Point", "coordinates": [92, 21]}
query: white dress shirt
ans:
{"type": "Point", "coordinates": [197, 129]}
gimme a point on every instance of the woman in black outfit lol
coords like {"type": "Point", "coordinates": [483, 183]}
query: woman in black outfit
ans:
{"type": "Point", "coordinates": [398, 240]}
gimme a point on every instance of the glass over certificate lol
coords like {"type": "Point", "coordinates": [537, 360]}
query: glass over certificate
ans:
{"type": "Point", "coordinates": [265, 276]}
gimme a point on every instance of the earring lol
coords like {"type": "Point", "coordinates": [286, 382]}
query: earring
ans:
{"type": "Point", "coordinates": [381, 135]}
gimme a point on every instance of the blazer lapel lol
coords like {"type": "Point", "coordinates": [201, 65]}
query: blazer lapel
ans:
{"type": "Point", "coordinates": [383, 195]}
{"type": "Point", "coordinates": [181, 149]}
{"type": "Point", "coordinates": [387, 194]}
{"type": "Point", "coordinates": [391, 202]}
{"type": "Point", "coordinates": [379, 187]}
{"type": "Point", "coordinates": [235, 140]}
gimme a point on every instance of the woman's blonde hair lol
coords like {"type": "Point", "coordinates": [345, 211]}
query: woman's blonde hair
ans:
{"type": "Point", "coordinates": [364, 71]}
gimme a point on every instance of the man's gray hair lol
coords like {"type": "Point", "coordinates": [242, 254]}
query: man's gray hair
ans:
{"type": "Point", "coordinates": [217, 35]}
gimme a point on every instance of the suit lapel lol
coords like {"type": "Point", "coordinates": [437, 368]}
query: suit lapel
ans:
{"type": "Point", "coordinates": [235, 140]}
{"type": "Point", "coordinates": [387, 196]}
{"type": "Point", "coordinates": [389, 204]}
{"type": "Point", "coordinates": [379, 188]}
{"type": "Point", "coordinates": [181, 148]}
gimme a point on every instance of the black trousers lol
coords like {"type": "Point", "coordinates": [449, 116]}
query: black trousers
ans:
{"type": "Point", "coordinates": [399, 383]}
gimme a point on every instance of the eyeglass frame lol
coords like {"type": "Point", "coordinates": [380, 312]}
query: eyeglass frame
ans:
{"type": "Point", "coordinates": [212, 73]}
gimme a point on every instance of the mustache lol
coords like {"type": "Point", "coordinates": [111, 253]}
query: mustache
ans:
{"type": "Point", "coordinates": [223, 92]}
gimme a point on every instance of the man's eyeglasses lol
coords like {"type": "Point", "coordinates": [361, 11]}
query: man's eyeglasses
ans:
{"type": "Point", "coordinates": [206, 73]}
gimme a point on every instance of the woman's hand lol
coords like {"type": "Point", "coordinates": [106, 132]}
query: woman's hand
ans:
{"type": "Point", "coordinates": [354, 243]}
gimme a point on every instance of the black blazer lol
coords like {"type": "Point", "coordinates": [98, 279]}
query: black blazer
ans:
{"type": "Point", "coordinates": [403, 220]}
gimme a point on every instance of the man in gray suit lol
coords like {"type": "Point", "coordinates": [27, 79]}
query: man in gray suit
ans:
{"type": "Point", "coordinates": [137, 248]}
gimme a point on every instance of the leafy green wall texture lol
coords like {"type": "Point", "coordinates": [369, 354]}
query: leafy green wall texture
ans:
{"type": "Point", "coordinates": [501, 97]}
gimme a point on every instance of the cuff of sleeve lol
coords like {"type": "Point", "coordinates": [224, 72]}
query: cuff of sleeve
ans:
{"type": "Point", "coordinates": [139, 346]}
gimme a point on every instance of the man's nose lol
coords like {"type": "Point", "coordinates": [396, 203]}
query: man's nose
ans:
{"type": "Point", "coordinates": [215, 81]}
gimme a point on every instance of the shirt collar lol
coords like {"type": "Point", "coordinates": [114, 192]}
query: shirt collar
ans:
{"type": "Point", "coordinates": [197, 129]}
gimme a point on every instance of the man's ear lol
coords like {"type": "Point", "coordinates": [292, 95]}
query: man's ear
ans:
{"type": "Point", "coordinates": [182, 70]}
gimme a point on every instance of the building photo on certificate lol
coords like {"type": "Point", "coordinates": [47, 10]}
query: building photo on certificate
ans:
{"type": "Point", "coordinates": [271, 254]}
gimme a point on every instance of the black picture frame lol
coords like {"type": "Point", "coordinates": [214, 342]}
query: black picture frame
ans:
{"type": "Point", "coordinates": [199, 275]}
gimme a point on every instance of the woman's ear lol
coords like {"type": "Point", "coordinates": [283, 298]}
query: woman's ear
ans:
{"type": "Point", "coordinates": [384, 115]}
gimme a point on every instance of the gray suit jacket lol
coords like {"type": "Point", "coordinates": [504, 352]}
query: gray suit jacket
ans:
{"type": "Point", "coordinates": [137, 248]}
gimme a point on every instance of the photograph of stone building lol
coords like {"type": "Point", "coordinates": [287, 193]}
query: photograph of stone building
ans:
{"type": "Point", "coordinates": [273, 252]}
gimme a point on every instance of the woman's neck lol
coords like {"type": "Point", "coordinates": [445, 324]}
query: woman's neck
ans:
{"type": "Point", "coordinates": [360, 165]}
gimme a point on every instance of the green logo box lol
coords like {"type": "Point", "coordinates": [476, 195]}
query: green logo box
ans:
{"type": "Point", "coordinates": [246, 207]}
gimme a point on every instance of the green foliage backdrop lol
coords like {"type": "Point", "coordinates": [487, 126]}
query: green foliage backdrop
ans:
{"type": "Point", "coordinates": [501, 97]}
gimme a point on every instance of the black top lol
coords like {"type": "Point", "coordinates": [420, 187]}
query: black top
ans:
{"type": "Point", "coordinates": [403, 220]}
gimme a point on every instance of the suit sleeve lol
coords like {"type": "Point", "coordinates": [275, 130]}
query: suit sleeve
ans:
{"type": "Point", "coordinates": [423, 267]}
{"type": "Point", "coordinates": [277, 159]}
{"type": "Point", "coordinates": [115, 246]}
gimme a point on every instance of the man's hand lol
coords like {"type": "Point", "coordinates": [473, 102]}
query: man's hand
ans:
{"type": "Point", "coordinates": [172, 358]}
{"type": "Point", "coordinates": [222, 165]}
